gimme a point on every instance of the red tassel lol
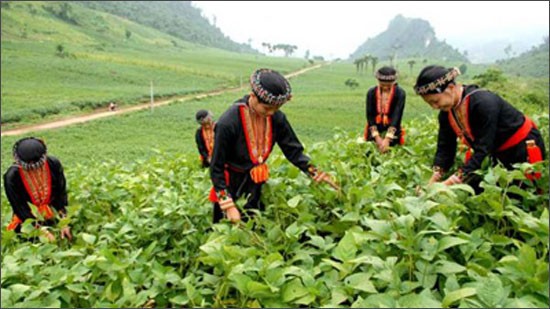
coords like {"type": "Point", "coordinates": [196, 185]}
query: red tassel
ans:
{"type": "Point", "coordinates": [378, 119]}
{"type": "Point", "coordinates": [534, 155]}
{"type": "Point", "coordinates": [402, 138]}
{"type": "Point", "coordinates": [468, 155]}
{"type": "Point", "coordinates": [212, 196]}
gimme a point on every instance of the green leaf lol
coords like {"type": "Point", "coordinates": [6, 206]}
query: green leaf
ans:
{"type": "Point", "coordinates": [450, 241]}
{"type": "Point", "coordinates": [259, 290]}
{"type": "Point", "coordinates": [491, 292]}
{"type": "Point", "coordinates": [452, 297]}
{"type": "Point", "coordinates": [17, 290]}
{"type": "Point", "coordinates": [240, 281]}
{"type": "Point", "coordinates": [446, 267]}
{"type": "Point", "coordinates": [293, 290]}
{"type": "Point", "coordinates": [346, 248]}
{"type": "Point", "coordinates": [360, 281]}
{"type": "Point", "coordinates": [293, 202]}
{"type": "Point", "coordinates": [422, 300]}
{"type": "Point", "coordinates": [181, 299]}
{"type": "Point", "coordinates": [376, 301]}
{"type": "Point", "coordinates": [88, 238]}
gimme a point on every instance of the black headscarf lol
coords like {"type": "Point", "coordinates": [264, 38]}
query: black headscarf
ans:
{"type": "Point", "coordinates": [29, 152]}
{"type": "Point", "coordinates": [435, 79]}
{"type": "Point", "coordinates": [386, 74]}
{"type": "Point", "coordinates": [270, 87]}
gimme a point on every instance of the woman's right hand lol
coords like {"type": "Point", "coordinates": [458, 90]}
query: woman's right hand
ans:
{"type": "Point", "coordinates": [49, 236]}
{"type": "Point", "coordinates": [233, 214]}
{"type": "Point", "coordinates": [435, 178]}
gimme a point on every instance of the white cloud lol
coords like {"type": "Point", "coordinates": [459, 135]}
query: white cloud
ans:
{"type": "Point", "coordinates": [336, 28]}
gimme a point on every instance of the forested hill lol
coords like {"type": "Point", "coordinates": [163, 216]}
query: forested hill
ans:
{"type": "Point", "coordinates": [533, 63]}
{"type": "Point", "coordinates": [405, 38]}
{"type": "Point", "coordinates": [177, 18]}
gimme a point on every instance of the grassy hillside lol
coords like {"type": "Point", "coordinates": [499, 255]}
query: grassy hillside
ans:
{"type": "Point", "coordinates": [97, 63]}
{"type": "Point", "coordinates": [177, 18]}
{"type": "Point", "coordinates": [533, 63]}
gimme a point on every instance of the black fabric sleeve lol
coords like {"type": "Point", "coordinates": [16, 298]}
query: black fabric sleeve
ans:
{"type": "Point", "coordinates": [200, 144]}
{"type": "Point", "coordinates": [486, 117]}
{"type": "Point", "coordinates": [290, 145]}
{"type": "Point", "coordinates": [15, 191]}
{"type": "Point", "coordinates": [371, 107]}
{"type": "Point", "coordinates": [397, 113]}
{"type": "Point", "coordinates": [223, 136]}
{"type": "Point", "coordinates": [446, 143]}
{"type": "Point", "coordinates": [59, 198]}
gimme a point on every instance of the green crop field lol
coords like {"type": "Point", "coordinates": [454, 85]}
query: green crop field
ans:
{"type": "Point", "coordinates": [138, 199]}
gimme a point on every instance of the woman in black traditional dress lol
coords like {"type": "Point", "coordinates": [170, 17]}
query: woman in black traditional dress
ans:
{"type": "Point", "coordinates": [244, 137]}
{"type": "Point", "coordinates": [483, 121]}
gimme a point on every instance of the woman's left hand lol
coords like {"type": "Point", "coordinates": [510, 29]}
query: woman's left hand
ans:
{"type": "Point", "coordinates": [66, 232]}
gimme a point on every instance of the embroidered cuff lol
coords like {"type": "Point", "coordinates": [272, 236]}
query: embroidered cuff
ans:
{"type": "Point", "coordinates": [391, 133]}
{"type": "Point", "coordinates": [374, 131]}
{"type": "Point", "coordinates": [226, 203]}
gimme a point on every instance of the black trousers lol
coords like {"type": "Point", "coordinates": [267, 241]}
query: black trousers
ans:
{"type": "Point", "coordinates": [240, 184]}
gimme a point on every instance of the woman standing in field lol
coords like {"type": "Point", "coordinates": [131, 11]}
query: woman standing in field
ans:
{"type": "Point", "coordinates": [36, 178]}
{"type": "Point", "coordinates": [384, 110]}
{"type": "Point", "coordinates": [244, 137]}
{"type": "Point", "coordinates": [482, 120]}
{"type": "Point", "coordinates": [205, 136]}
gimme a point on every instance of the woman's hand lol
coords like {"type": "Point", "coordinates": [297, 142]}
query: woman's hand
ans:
{"type": "Point", "coordinates": [66, 232]}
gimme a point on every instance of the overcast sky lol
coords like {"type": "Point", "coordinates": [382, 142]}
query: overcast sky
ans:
{"type": "Point", "coordinates": [335, 29]}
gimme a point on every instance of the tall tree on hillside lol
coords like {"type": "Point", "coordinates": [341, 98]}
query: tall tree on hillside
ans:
{"type": "Point", "coordinates": [357, 63]}
{"type": "Point", "coordinates": [373, 61]}
{"type": "Point", "coordinates": [365, 60]}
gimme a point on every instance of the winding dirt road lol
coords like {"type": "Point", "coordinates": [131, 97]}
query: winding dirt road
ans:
{"type": "Point", "coordinates": [104, 112]}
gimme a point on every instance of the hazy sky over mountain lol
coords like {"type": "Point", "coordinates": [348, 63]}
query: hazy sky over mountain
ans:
{"type": "Point", "coordinates": [334, 29]}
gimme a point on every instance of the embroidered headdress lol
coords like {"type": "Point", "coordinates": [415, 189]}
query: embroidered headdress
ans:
{"type": "Point", "coordinates": [270, 87]}
{"type": "Point", "coordinates": [435, 79]}
{"type": "Point", "coordinates": [202, 115]}
{"type": "Point", "coordinates": [29, 153]}
{"type": "Point", "coordinates": [386, 74]}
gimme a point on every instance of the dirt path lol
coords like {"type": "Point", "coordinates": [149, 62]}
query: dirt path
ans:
{"type": "Point", "coordinates": [106, 113]}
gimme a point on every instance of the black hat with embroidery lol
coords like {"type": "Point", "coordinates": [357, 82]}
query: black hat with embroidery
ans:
{"type": "Point", "coordinates": [270, 87]}
{"type": "Point", "coordinates": [434, 79]}
{"type": "Point", "coordinates": [202, 115]}
{"type": "Point", "coordinates": [386, 74]}
{"type": "Point", "coordinates": [29, 153]}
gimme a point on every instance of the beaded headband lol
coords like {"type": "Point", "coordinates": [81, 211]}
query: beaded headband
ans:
{"type": "Point", "coordinates": [438, 85]}
{"type": "Point", "coordinates": [385, 78]}
{"type": "Point", "coordinates": [203, 119]}
{"type": "Point", "coordinates": [264, 95]}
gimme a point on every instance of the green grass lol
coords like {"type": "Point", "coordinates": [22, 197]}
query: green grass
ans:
{"type": "Point", "coordinates": [101, 65]}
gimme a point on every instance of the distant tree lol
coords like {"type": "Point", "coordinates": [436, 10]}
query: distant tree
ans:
{"type": "Point", "coordinates": [286, 48]}
{"type": "Point", "coordinates": [463, 68]}
{"type": "Point", "coordinates": [366, 58]}
{"type": "Point", "coordinates": [306, 54]}
{"type": "Point", "coordinates": [357, 63]}
{"type": "Point", "coordinates": [490, 76]}
{"type": "Point", "coordinates": [373, 61]}
{"type": "Point", "coordinates": [508, 50]}
{"type": "Point", "coordinates": [268, 47]}
{"type": "Point", "coordinates": [128, 34]}
{"type": "Point", "coordinates": [411, 65]}
{"type": "Point", "coordinates": [425, 61]}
